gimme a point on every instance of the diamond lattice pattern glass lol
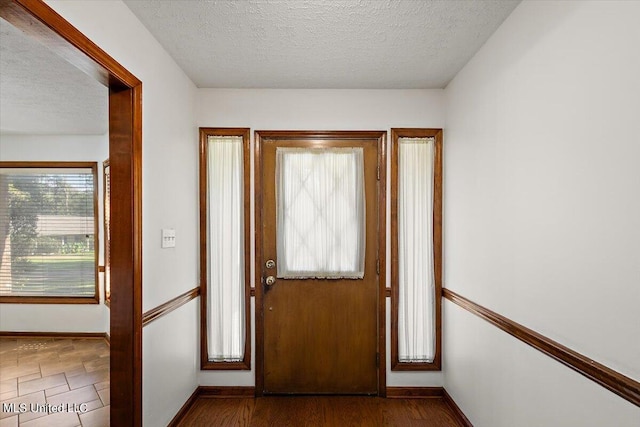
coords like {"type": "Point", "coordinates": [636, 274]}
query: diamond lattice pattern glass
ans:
{"type": "Point", "coordinates": [320, 213]}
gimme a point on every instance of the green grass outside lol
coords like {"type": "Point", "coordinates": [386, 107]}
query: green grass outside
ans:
{"type": "Point", "coordinates": [62, 258]}
{"type": "Point", "coordinates": [54, 275]}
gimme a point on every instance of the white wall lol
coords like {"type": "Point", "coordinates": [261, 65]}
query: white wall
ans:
{"type": "Point", "coordinates": [169, 188]}
{"type": "Point", "coordinates": [542, 213]}
{"type": "Point", "coordinates": [170, 349]}
{"type": "Point", "coordinates": [271, 109]}
{"type": "Point", "coordinates": [58, 317]}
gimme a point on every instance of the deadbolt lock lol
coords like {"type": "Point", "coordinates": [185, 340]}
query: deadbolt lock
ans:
{"type": "Point", "coordinates": [270, 263]}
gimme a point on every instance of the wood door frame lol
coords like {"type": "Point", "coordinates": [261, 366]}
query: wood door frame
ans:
{"type": "Point", "coordinates": [39, 21]}
{"type": "Point", "coordinates": [381, 137]}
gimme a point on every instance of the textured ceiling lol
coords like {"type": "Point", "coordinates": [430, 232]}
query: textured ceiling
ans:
{"type": "Point", "coordinates": [384, 44]}
{"type": "Point", "coordinates": [40, 93]}
{"type": "Point", "coordinates": [370, 44]}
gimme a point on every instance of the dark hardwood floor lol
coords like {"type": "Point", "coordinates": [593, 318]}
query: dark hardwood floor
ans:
{"type": "Point", "coordinates": [319, 411]}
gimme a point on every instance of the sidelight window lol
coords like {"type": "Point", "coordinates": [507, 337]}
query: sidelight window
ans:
{"type": "Point", "coordinates": [416, 248]}
{"type": "Point", "coordinates": [224, 202]}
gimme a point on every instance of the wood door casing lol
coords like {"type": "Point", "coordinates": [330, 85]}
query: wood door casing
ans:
{"type": "Point", "coordinates": [38, 20]}
{"type": "Point", "coordinates": [318, 335]}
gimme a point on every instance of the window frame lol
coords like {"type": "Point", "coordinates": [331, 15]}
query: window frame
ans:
{"type": "Point", "coordinates": [106, 227]}
{"type": "Point", "coordinates": [95, 299]}
{"type": "Point", "coordinates": [396, 134]}
{"type": "Point", "coordinates": [205, 133]}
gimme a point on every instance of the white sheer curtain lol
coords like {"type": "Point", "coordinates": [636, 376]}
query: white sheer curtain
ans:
{"type": "Point", "coordinates": [320, 213]}
{"type": "Point", "coordinates": [416, 305]}
{"type": "Point", "coordinates": [225, 229]}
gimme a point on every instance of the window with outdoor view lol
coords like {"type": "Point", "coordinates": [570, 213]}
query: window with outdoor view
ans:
{"type": "Point", "coordinates": [48, 232]}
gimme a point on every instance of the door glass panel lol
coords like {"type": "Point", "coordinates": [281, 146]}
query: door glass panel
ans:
{"type": "Point", "coordinates": [320, 213]}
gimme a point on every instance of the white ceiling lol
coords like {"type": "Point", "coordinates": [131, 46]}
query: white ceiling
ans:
{"type": "Point", "coordinates": [385, 44]}
{"type": "Point", "coordinates": [40, 93]}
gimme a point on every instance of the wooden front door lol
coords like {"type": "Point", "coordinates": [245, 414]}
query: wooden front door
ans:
{"type": "Point", "coordinates": [320, 335]}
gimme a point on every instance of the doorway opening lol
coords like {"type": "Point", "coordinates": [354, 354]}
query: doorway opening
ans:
{"type": "Point", "coordinates": [39, 21]}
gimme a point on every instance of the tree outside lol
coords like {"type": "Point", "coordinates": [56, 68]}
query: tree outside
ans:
{"type": "Point", "coordinates": [50, 240]}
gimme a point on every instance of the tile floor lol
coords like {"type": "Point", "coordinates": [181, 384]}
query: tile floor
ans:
{"type": "Point", "coordinates": [54, 382]}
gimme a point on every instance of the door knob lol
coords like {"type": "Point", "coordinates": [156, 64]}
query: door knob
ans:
{"type": "Point", "coordinates": [270, 280]}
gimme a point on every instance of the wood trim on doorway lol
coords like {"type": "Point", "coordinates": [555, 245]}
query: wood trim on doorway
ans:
{"type": "Point", "coordinates": [38, 20]}
{"type": "Point", "coordinates": [261, 135]}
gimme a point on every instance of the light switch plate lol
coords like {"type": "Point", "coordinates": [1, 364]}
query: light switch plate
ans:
{"type": "Point", "coordinates": [168, 238]}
